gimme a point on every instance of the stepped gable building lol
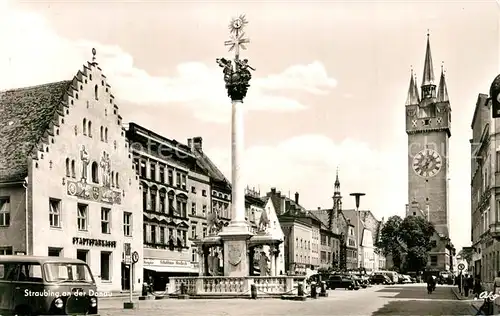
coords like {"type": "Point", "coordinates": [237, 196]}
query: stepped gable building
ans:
{"type": "Point", "coordinates": [428, 126]}
{"type": "Point", "coordinates": [175, 203]}
{"type": "Point", "coordinates": [67, 183]}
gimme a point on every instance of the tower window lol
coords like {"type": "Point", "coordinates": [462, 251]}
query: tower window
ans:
{"type": "Point", "coordinates": [96, 92]}
{"type": "Point", "coordinates": [427, 122]}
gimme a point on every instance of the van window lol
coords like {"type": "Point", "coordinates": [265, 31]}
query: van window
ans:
{"type": "Point", "coordinates": [30, 272]}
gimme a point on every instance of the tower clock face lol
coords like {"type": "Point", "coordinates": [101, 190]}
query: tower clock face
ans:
{"type": "Point", "coordinates": [427, 163]}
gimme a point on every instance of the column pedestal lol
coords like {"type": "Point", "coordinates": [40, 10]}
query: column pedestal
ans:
{"type": "Point", "coordinates": [236, 256]}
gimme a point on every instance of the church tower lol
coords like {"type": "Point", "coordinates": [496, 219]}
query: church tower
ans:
{"type": "Point", "coordinates": [337, 206]}
{"type": "Point", "coordinates": [428, 118]}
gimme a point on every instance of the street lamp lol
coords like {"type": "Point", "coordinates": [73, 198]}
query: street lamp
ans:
{"type": "Point", "coordinates": [357, 196]}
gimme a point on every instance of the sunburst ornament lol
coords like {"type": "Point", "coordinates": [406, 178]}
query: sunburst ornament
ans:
{"type": "Point", "coordinates": [237, 24]}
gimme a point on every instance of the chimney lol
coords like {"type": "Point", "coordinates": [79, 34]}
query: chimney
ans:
{"type": "Point", "coordinates": [297, 198]}
{"type": "Point", "coordinates": [319, 208]}
{"type": "Point", "coordinates": [273, 190]}
{"type": "Point", "coordinates": [190, 143]}
{"type": "Point", "coordinates": [197, 143]}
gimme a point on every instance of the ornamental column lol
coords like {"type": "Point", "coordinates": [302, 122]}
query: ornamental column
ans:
{"type": "Point", "coordinates": [237, 76]}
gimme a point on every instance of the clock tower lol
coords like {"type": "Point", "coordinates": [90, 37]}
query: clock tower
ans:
{"type": "Point", "coordinates": [428, 118]}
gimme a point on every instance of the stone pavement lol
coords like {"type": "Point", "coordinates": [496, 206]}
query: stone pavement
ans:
{"type": "Point", "coordinates": [376, 300]}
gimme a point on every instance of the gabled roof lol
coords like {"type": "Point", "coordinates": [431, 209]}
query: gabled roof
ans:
{"type": "Point", "coordinates": [206, 163]}
{"type": "Point", "coordinates": [25, 116]}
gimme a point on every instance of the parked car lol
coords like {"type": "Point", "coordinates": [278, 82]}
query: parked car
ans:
{"type": "Point", "coordinates": [342, 281]}
{"type": "Point", "coordinates": [359, 280]}
{"type": "Point", "coordinates": [380, 279]}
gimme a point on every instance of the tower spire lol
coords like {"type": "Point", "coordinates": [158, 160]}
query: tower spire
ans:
{"type": "Point", "coordinates": [442, 93]}
{"type": "Point", "coordinates": [428, 86]}
{"type": "Point", "coordinates": [337, 204]}
{"type": "Point", "coordinates": [337, 185]}
{"type": "Point", "coordinates": [412, 91]}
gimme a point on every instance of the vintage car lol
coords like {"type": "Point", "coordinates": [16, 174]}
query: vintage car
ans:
{"type": "Point", "coordinates": [46, 286]}
{"type": "Point", "coordinates": [342, 281]}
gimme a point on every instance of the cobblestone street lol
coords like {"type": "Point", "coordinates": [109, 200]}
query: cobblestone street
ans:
{"type": "Point", "coordinates": [377, 300]}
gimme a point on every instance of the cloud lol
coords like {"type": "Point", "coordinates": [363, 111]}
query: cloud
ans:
{"type": "Point", "coordinates": [307, 164]}
{"type": "Point", "coordinates": [33, 53]}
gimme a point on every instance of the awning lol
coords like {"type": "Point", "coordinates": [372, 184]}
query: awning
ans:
{"type": "Point", "coordinates": [158, 268]}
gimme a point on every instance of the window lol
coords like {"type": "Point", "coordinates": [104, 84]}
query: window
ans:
{"type": "Point", "coordinates": [4, 251]}
{"type": "Point", "coordinates": [184, 237]}
{"type": "Point", "coordinates": [144, 232]}
{"type": "Point", "coordinates": [105, 220]}
{"type": "Point", "coordinates": [162, 174]}
{"type": "Point", "coordinates": [162, 202]}
{"type": "Point", "coordinates": [90, 129]}
{"type": "Point", "coordinates": [127, 224]}
{"type": "Point", "coordinates": [204, 209]}
{"type": "Point", "coordinates": [183, 209]}
{"type": "Point", "coordinates": [73, 173]}
{"type": "Point", "coordinates": [54, 252]}
{"type": "Point", "coordinates": [84, 126]}
{"type": "Point", "coordinates": [95, 172]}
{"type": "Point", "coordinates": [96, 96]}
{"type": "Point", "coordinates": [204, 231]}
{"type": "Point", "coordinates": [184, 182]}
{"type": "Point", "coordinates": [153, 234]}
{"type": "Point", "coordinates": [145, 198]}
{"type": "Point", "coordinates": [4, 211]}
{"type": "Point", "coordinates": [204, 192]}
{"type": "Point", "coordinates": [153, 199]}
{"type": "Point", "coordinates": [171, 209]}
{"type": "Point", "coordinates": [193, 232]}
{"type": "Point", "coordinates": [498, 211]}
{"type": "Point", "coordinates": [153, 171]}
{"type": "Point", "coordinates": [178, 180]}
{"type": "Point", "coordinates": [82, 216]}
{"type": "Point", "coordinates": [82, 254]}
{"type": "Point", "coordinates": [498, 160]}
{"type": "Point", "coordinates": [142, 172]}
{"type": "Point", "coordinates": [194, 255]}
{"type": "Point", "coordinates": [105, 266]}
{"type": "Point", "coordinates": [106, 134]}
{"type": "Point", "coordinates": [67, 168]}
{"type": "Point", "coordinates": [162, 235]}
{"type": "Point", "coordinates": [117, 178]}
{"type": "Point", "coordinates": [193, 190]}
{"type": "Point", "coordinates": [434, 260]}
{"type": "Point", "coordinates": [170, 177]}
{"type": "Point", "coordinates": [193, 208]}
{"type": "Point", "coordinates": [112, 178]}
{"type": "Point", "coordinates": [55, 213]}
{"type": "Point", "coordinates": [102, 133]}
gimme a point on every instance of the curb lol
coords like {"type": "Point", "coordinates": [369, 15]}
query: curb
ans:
{"type": "Point", "coordinates": [473, 309]}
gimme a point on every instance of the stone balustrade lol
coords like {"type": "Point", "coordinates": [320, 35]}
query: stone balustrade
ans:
{"type": "Point", "coordinates": [222, 285]}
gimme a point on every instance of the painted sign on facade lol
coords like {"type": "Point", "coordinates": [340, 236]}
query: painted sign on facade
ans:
{"type": "Point", "coordinates": [93, 192]}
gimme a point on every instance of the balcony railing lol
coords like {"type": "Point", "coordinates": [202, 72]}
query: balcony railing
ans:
{"type": "Point", "coordinates": [495, 230]}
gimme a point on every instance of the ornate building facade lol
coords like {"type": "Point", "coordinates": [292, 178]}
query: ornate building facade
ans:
{"type": "Point", "coordinates": [428, 119]}
{"type": "Point", "coordinates": [66, 173]}
{"type": "Point", "coordinates": [485, 196]}
{"type": "Point", "coordinates": [176, 197]}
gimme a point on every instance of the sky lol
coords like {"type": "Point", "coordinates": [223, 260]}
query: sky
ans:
{"type": "Point", "coordinates": [329, 88]}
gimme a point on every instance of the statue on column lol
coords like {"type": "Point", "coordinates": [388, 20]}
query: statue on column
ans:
{"type": "Point", "coordinates": [263, 222]}
{"type": "Point", "coordinates": [263, 264]}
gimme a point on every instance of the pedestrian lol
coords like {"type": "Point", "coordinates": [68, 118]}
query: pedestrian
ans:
{"type": "Point", "coordinates": [459, 282]}
{"type": "Point", "coordinates": [470, 285]}
{"type": "Point", "coordinates": [477, 286]}
{"type": "Point", "coordinates": [430, 281]}
{"type": "Point", "coordinates": [496, 284]}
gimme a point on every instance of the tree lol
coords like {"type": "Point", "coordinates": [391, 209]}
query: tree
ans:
{"type": "Point", "coordinates": [389, 240]}
{"type": "Point", "coordinates": [466, 254]}
{"type": "Point", "coordinates": [407, 240]}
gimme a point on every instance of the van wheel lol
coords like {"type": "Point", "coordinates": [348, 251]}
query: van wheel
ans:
{"type": "Point", "coordinates": [23, 311]}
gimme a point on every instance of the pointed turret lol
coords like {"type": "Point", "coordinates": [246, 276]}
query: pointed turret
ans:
{"type": "Point", "coordinates": [442, 93]}
{"type": "Point", "coordinates": [412, 98]}
{"type": "Point", "coordinates": [428, 85]}
{"type": "Point", "coordinates": [415, 87]}
{"type": "Point", "coordinates": [337, 204]}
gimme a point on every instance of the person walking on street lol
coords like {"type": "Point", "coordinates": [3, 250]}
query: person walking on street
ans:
{"type": "Point", "coordinates": [468, 285]}
{"type": "Point", "coordinates": [430, 284]}
{"type": "Point", "coordinates": [459, 282]}
{"type": "Point", "coordinates": [477, 286]}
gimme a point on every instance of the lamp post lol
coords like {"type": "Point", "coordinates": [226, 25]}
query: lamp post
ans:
{"type": "Point", "coordinates": [357, 196]}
